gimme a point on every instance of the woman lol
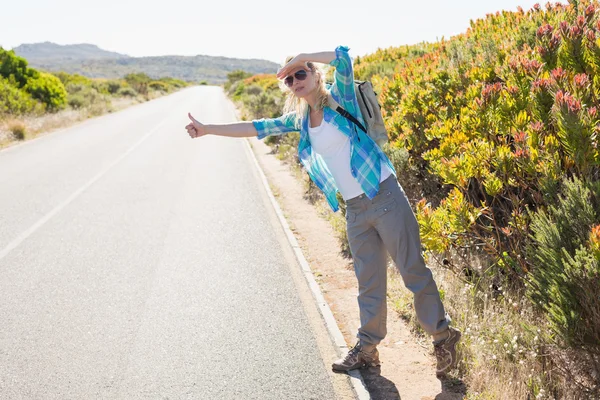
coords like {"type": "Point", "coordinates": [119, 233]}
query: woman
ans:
{"type": "Point", "coordinates": [340, 157]}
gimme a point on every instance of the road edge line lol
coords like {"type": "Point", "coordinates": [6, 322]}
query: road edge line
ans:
{"type": "Point", "coordinates": [335, 333]}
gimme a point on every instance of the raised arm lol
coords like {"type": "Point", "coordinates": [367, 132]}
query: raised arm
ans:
{"type": "Point", "coordinates": [323, 57]}
{"type": "Point", "coordinates": [234, 129]}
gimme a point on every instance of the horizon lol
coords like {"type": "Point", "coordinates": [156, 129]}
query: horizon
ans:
{"type": "Point", "coordinates": [231, 35]}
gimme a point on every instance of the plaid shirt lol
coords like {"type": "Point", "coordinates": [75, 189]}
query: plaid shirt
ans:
{"type": "Point", "coordinates": [365, 154]}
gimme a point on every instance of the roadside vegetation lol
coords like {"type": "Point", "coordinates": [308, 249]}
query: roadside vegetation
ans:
{"type": "Point", "coordinates": [33, 102]}
{"type": "Point", "coordinates": [495, 137]}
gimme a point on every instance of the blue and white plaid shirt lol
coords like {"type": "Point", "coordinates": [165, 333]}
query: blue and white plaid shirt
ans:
{"type": "Point", "coordinates": [365, 154]}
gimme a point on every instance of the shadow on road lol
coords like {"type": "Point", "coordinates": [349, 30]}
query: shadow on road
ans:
{"type": "Point", "coordinates": [381, 388]}
{"type": "Point", "coordinates": [378, 386]}
{"type": "Point", "coordinates": [452, 389]}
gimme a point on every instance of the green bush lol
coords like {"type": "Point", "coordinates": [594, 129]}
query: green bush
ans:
{"type": "Point", "coordinates": [565, 282]}
{"type": "Point", "coordinates": [562, 257]}
{"type": "Point", "coordinates": [49, 90]}
{"type": "Point", "coordinates": [173, 82]}
{"type": "Point", "coordinates": [16, 101]}
{"type": "Point", "coordinates": [77, 101]}
{"type": "Point", "coordinates": [101, 86]}
{"type": "Point", "coordinates": [114, 86]}
{"type": "Point", "coordinates": [81, 96]}
{"type": "Point", "coordinates": [127, 92]}
{"type": "Point", "coordinates": [16, 67]}
{"type": "Point", "coordinates": [237, 90]}
{"type": "Point", "coordinates": [139, 82]}
{"type": "Point", "coordinates": [76, 79]}
{"type": "Point", "coordinates": [72, 87]}
{"type": "Point", "coordinates": [253, 90]}
{"type": "Point", "coordinates": [234, 77]}
{"type": "Point", "coordinates": [263, 105]}
{"type": "Point", "coordinates": [160, 86]}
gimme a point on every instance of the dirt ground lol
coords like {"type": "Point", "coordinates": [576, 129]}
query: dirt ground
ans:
{"type": "Point", "coordinates": [408, 365]}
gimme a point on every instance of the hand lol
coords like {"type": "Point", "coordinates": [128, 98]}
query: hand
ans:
{"type": "Point", "coordinates": [293, 64]}
{"type": "Point", "coordinates": [195, 129]}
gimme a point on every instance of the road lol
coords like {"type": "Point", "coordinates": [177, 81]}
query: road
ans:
{"type": "Point", "coordinates": [136, 262]}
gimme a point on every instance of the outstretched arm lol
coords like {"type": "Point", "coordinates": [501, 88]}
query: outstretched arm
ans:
{"type": "Point", "coordinates": [235, 129]}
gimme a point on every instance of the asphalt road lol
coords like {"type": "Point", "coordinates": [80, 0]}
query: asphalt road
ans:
{"type": "Point", "coordinates": [136, 262]}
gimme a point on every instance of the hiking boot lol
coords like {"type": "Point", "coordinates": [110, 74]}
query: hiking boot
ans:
{"type": "Point", "coordinates": [357, 358]}
{"type": "Point", "coordinates": [445, 352]}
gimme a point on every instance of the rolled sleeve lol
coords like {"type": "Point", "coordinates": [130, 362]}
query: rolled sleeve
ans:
{"type": "Point", "coordinates": [275, 126]}
{"type": "Point", "coordinates": [342, 62]}
{"type": "Point", "coordinates": [342, 89]}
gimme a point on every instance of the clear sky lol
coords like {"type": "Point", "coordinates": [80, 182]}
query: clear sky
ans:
{"type": "Point", "coordinates": [265, 29]}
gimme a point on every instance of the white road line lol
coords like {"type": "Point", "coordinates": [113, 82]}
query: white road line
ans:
{"type": "Point", "coordinates": [16, 242]}
{"type": "Point", "coordinates": [334, 331]}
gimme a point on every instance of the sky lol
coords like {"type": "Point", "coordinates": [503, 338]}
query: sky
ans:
{"type": "Point", "coordinates": [262, 29]}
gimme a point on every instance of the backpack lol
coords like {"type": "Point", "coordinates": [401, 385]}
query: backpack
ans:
{"type": "Point", "coordinates": [370, 110]}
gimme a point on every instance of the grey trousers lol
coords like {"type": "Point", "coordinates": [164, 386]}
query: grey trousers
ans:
{"type": "Point", "coordinates": [387, 223]}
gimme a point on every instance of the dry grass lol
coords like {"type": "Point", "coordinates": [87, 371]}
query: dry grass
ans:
{"type": "Point", "coordinates": [17, 128]}
{"type": "Point", "coordinates": [502, 352]}
{"type": "Point", "coordinates": [29, 127]}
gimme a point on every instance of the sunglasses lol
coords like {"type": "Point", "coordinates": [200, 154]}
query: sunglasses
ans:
{"type": "Point", "coordinates": [299, 75]}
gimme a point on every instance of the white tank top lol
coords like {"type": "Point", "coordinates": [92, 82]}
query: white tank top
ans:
{"type": "Point", "coordinates": [334, 147]}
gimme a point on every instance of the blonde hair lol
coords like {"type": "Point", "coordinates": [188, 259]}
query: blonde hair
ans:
{"type": "Point", "coordinates": [298, 105]}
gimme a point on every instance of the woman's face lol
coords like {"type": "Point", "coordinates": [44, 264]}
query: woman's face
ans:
{"type": "Point", "coordinates": [301, 82]}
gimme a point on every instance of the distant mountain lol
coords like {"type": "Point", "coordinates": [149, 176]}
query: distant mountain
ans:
{"type": "Point", "coordinates": [48, 50]}
{"type": "Point", "coordinates": [91, 61]}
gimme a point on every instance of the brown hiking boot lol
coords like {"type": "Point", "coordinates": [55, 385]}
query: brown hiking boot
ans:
{"type": "Point", "coordinates": [357, 358]}
{"type": "Point", "coordinates": [445, 352]}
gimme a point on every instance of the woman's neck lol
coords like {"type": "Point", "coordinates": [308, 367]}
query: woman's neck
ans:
{"type": "Point", "coordinates": [311, 99]}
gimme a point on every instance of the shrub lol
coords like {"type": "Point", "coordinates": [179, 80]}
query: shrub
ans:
{"type": "Point", "coordinates": [114, 86]}
{"type": "Point", "coordinates": [566, 279]}
{"type": "Point", "coordinates": [16, 101]}
{"type": "Point", "coordinates": [267, 82]}
{"type": "Point", "coordinates": [264, 105]}
{"type": "Point", "coordinates": [77, 79]}
{"type": "Point", "coordinates": [235, 76]}
{"type": "Point", "coordinates": [260, 95]}
{"type": "Point", "coordinates": [75, 87]}
{"type": "Point", "coordinates": [49, 90]}
{"type": "Point", "coordinates": [18, 129]}
{"type": "Point", "coordinates": [139, 82]}
{"type": "Point", "coordinates": [87, 97]}
{"type": "Point", "coordinates": [161, 86]}
{"type": "Point", "coordinates": [173, 82]}
{"type": "Point", "coordinates": [76, 101]}
{"type": "Point", "coordinates": [253, 90]}
{"type": "Point", "coordinates": [101, 86]}
{"type": "Point", "coordinates": [16, 67]}
{"type": "Point", "coordinates": [237, 90]}
{"type": "Point", "coordinates": [127, 92]}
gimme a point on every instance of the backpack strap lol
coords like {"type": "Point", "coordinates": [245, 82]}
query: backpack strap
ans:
{"type": "Point", "coordinates": [333, 104]}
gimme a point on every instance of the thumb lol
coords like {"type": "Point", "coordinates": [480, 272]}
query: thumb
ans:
{"type": "Point", "coordinates": [192, 118]}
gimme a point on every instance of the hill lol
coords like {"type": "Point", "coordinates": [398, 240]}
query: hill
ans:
{"type": "Point", "coordinates": [91, 61]}
{"type": "Point", "coordinates": [52, 51]}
